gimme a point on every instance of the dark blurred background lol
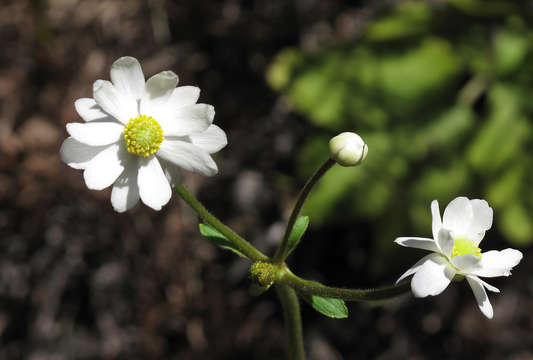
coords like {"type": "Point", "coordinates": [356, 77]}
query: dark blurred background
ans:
{"type": "Point", "coordinates": [441, 91]}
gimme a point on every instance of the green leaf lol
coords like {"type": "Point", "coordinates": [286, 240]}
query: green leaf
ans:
{"type": "Point", "coordinates": [510, 50]}
{"type": "Point", "coordinates": [515, 222]}
{"type": "Point", "coordinates": [219, 239]}
{"type": "Point", "coordinates": [417, 74]}
{"type": "Point", "coordinates": [503, 135]}
{"type": "Point", "coordinates": [508, 188]}
{"type": "Point", "coordinates": [408, 19]}
{"type": "Point", "coordinates": [333, 308]}
{"type": "Point", "coordinates": [279, 73]}
{"type": "Point", "coordinates": [297, 232]}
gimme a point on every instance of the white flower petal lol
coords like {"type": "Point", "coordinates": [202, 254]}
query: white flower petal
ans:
{"type": "Point", "coordinates": [188, 156]}
{"type": "Point", "coordinates": [475, 237]}
{"type": "Point", "coordinates": [436, 223]}
{"type": "Point", "coordinates": [458, 216]}
{"type": "Point", "coordinates": [154, 188]}
{"type": "Point", "coordinates": [128, 77]}
{"type": "Point", "coordinates": [432, 277]}
{"type": "Point", "coordinates": [125, 193]}
{"type": "Point", "coordinates": [172, 172]}
{"type": "Point", "coordinates": [413, 269]}
{"type": "Point", "coordinates": [467, 263]}
{"type": "Point", "coordinates": [211, 140]}
{"type": "Point", "coordinates": [488, 286]}
{"type": "Point", "coordinates": [481, 220]}
{"type": "Point", "coordinates": [158, 90]}
{"type": "Point", "coordinates": [418, 243]}
{"type": "Point", "coordinates": [96, 133]}
{"type": "Point", "coordinates": [89, 110]}
{"type": "Point", "coordinates": [445, 242]}
{"type": "Point", "coordinates": [481, 296]}
{"type": "Point", "coordinates": [104, 168]}
{"type": "Point", "coordinates": [498, 263]}
{"type": "Point", "coordinates": [113, 102]}
{"type": "Point", "coordinates": [76, 154]}
{"type": "Point", "coordinates": [188, 120]}
{"type": "Point", "coordinates": [183, 96]}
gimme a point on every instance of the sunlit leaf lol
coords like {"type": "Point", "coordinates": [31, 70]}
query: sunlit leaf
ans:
{"type": "Point", "coordinates": [219, 239]}
{"type": "Point", "coordinates": [503, 135]}
{"type": "Point", "coordinates": [510, 50]}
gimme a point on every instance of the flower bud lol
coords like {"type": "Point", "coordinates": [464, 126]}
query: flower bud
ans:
{"type": "Point", "coordinates": [347, 149]}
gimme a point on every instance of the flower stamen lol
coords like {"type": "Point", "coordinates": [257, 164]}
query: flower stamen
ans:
{"type": "Point", "coordinates": [143, 135]}
{"type": "Point", "coordinates": [463, 246]}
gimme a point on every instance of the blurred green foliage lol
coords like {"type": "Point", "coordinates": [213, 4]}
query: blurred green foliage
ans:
{"type": "Point", "coordinates": [442, 93]}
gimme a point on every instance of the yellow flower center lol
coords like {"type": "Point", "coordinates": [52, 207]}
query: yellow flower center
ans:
{"type": "Point", "coordinates": [463, 246]}
{"type": "Point", "coordinates": [143, 135]}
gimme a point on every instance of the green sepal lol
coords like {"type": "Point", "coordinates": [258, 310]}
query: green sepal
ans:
{"type": "Point", "coordinates": [330, 307]}
{"type": "Point", "coordinates": [300, 225]}
{"type": "Point", "coordinates": [219, 239]}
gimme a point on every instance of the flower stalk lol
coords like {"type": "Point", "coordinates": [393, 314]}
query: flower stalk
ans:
{"type": "Point", "coordinates": [282, 251]}
{"type": "Point", "coordinates": [308, 287]}
{"type": "Point", "coordinates": [243, 245]}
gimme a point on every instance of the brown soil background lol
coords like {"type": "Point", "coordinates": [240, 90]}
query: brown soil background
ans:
{"type": "Point", "coordinates": [78, 281]}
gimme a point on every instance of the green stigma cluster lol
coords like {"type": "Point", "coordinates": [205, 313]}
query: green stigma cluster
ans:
{"type": "Point", "coordinates": [143, 135]}
{"type": "Point", "coordinates": [463, 246]}
{"type": "Point", "coordinates": [263, 273]}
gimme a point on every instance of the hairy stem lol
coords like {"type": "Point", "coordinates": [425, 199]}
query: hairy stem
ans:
{"type": "Point", "coordinates": [244, 246]}
{"type": "Point", "coordinates": [308, 287]}
{"type": "Point", "coordinates": [282, 251]}
{"type": "Point", "coordinates": [293, 322]}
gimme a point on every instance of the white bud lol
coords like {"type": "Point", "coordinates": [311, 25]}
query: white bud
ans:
{"type": "Point", "coordinates": [347, 149]}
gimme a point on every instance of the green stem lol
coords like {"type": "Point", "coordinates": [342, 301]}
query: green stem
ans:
{"type": "Point", "coordinates": [293, 322]}
{"type": "Point", "coordinates": [282, 251]}
{"type": "Point", "coordinates": [244, 246]}
{"type": "Point", "coordinates": [308, 287]}
{"type": "Point", "coordinates": [473, 89]}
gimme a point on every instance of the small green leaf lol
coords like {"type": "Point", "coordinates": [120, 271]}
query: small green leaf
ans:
{"type": "Point", "coordinates": [297, 232]}
{"type": "Point", "coordinates": [219, 239]}
{"type": "Point", "coordinates": [333, 308]}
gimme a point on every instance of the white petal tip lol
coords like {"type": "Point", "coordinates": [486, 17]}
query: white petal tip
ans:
{"type": "Point", "coordinates": [71, 128]}
{"type": "Point", "coordinates": [210, 112]}
{"type": "Point", "coordinates": [169, 74]}
{"type": "Point", "coordinates": [417, 293]}
{"type": "Point", "coordinates": [156, 207]}
{"type": "Point", "coordinates": [124, 60]}
{"type": "Point", "coordinates": [211, 172]}
{"type": "Point", "coordinates": [97, 85]}
{"type": "Point", "coordinates": [399, 241]}
{"type": "Point", "coordinates": [488, 314]}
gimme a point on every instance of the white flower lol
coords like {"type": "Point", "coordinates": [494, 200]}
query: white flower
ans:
{"type": "Point", "coordinates": [137, 134]}
{"type": "Point", "coordinates": [455, 251]}
{"type": "Point", "coordinates": [347, 149]}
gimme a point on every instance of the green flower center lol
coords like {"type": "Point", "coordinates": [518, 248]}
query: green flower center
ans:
{"type": "Point", "coordinates": [463, 246]}
{"type": "Point", "coordinates": [143, 135]}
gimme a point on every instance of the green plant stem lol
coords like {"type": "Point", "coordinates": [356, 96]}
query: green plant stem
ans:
{"type": "Point", "coordinates": [282, 251]}
{"type": "Point", "coordinates": [244, 246]}
{"type": "Point", "coordinates": [293, 322]}
{"type": "Point", "coordinates": [473, 89]}
{"type": "Point", "coordinates": [308, 287]}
